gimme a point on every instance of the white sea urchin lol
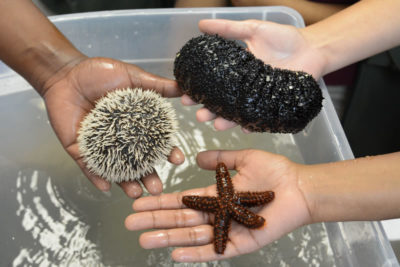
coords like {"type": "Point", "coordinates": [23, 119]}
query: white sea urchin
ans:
{"type": "Point", "coordinates": [127, 133]}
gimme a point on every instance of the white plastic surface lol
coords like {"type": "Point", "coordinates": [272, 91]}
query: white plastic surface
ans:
{"type": "Point", "coordinates": [392, 229]}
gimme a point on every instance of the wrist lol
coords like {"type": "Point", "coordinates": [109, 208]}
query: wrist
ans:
{"type": "Point", "coordinates": [33, 46]}
{"type": "Point", "coordinates": [345, 37]}
{"type": "Point", "coordinates": [46, 63]}
{"type": "Point", "coordinates": [306, 184]}
{"type": "Point", "coordinates": [360, 189]}
{"type": "Point", "coordinates": [331, 192]}
{"type": "Point", "coordinates": [319, 47]}
{"type": "Point", "coordinates": [327, 191]}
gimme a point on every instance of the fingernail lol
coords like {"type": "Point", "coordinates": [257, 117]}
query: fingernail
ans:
{"type": "Point", "coordinates": [179, 158]}
{"type": "Point", "coordinates": [104, 187]}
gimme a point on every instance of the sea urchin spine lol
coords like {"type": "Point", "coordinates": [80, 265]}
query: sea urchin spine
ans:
{"type": "Point", "coordinates": [127, 133]}
{"type": "Point", "coordinates": [235, 85]}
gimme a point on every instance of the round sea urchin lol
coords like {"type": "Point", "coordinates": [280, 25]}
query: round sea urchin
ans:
{"type": "Point", "coordinates": [127, 133]}
{"type": "Point", "coordinates": [235, 85]}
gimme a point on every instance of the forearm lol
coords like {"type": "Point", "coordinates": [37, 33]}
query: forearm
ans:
{"type": "Point", "coordinates": [31, 45]}
{"type": "Point", "coordinates": [201, 3]}
{"type": "Point", "coordinates": [357, 32]}
{"type": "Point", "coordinates": [310, 11]}
{"type": "Point", "coordinates": [361, 189]}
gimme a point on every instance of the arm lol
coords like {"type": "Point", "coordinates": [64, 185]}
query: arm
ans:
{"type": "Point", "coordinates": [359, 31]}
{"type": "Point", "coordinates": [31, 45]}
{"type": "Point", "coordinates": [310, 11]}
{"type": "Point", "coordinates": [361, 189]}
{"type": "Point", "coordinates": [70, 82]}
{"type": "Point", "coordinates": [202, 3]}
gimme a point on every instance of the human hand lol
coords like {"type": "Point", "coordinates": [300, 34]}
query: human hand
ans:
{"type": "Point", "coordinates": [278, 45]}
{"type": "Point", "coordinates": [256, 171]}
{"type": "Point", "coordinates": [70, 94]}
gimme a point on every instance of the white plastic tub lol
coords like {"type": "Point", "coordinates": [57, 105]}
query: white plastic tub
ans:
{"type": "Point", "coordinates": [51, 214]}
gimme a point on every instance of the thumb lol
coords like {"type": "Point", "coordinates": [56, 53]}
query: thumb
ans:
{"type": "Point", "coordinates": [146, 80]}
{"type": "Point", "coordinates": [228, 28]}
{"type": "Point", "coordinates": [232, 158]}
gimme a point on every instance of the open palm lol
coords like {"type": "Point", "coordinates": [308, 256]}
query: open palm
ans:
{"type": "Point", "coordinates": [256, 171]}
{"type": "Point", "coordinates": [70, 97]}
{"type": "Point", "coordinates": [278, 45]}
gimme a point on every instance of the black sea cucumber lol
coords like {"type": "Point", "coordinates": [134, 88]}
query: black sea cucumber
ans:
{"type": "Point", "coordinates": [235, 85]}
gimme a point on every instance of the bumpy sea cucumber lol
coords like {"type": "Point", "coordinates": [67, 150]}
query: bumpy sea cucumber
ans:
{"type": "Point", "coordinates": [235, 85]}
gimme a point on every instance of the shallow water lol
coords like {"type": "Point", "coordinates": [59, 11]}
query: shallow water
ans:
{"type": "Point", "coordinates": [53, 216]}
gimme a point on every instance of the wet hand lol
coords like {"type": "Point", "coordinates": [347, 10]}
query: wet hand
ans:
{"type": "Point", "coordinates": [278, 45]}
{"type": "Point", "coordinates": [256, 171]}
{"type": "Point", "coordinates": [70, 96]}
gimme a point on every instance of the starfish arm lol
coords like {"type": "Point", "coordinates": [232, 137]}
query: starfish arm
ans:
{"type": "Point", "coordinates": [246, 217]}
{"type": "Point", "coordinates": [208, 204]}
{"type": "Point", "coordinates": [229, 205]}
{"type": "Point", "coordinates": [224, 181]}
{"type": "Point", "coordinates": [251, 199]}
{"type": "Point", "coordinates": [222, 224]}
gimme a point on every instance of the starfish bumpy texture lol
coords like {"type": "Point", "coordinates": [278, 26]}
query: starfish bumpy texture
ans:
{"type": "Point", "coordinates": [229, 205]}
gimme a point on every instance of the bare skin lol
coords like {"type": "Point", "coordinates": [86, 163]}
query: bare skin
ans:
{"type": "Point", "coordinates": [360, 189]}
{"type": "Point", "coordinates": [355, 33]}
{"type": "Point", "coordinates": [311, 11]}
{"type": "Point", "coordinates": [70, 82]}
{"type": "Point", "coordinates": [71, 97]}
{"type": "Point", "coordinates": [288, 49]}
{"type": "Point", "coordinates": [187, 227]}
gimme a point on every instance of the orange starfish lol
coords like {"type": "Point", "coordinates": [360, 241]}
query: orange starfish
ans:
{"type": "Point", "coordinates": [229, 205]}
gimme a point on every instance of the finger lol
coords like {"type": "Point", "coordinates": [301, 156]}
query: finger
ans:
{"type": "Point", "coordinates": [169, 201]}
{"type": "Point", "coordinates": [228, 28]}
{"type": "Point", "coordinates": [152, 183]}
{"type": "Point", "coordinates": [96, 180]}
{"type": "Point", "coordinates": [145, 80]}
{"type": "Point", "coordinates": [220, 124]}
{"type": "Point", "coordinates": [187, 101]}
{"type": "Point", "coordinates": [165, 201]}
{"type": "Point", "coordinates": [132, 189]}
{"type": "Point", "coordinates": [162, 219]}
{"type": "Point", "coordinates": [244, 130]}
{"type": "Point", "coordinates": [202, 253]}
{"type": "Point", "coordinates": [232, 158]}
{"type": "Point", "coordinates": [176, 157]}
{"type": "Point", "coordinates": [190, 236]}
{"type": "Point", "coordinates": [203, 115]}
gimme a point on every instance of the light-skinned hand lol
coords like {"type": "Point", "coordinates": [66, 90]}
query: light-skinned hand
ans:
{"type": "Point", "coordinates": [192, 230]}
{"type": "Point", "coordinates": [278, 45]}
